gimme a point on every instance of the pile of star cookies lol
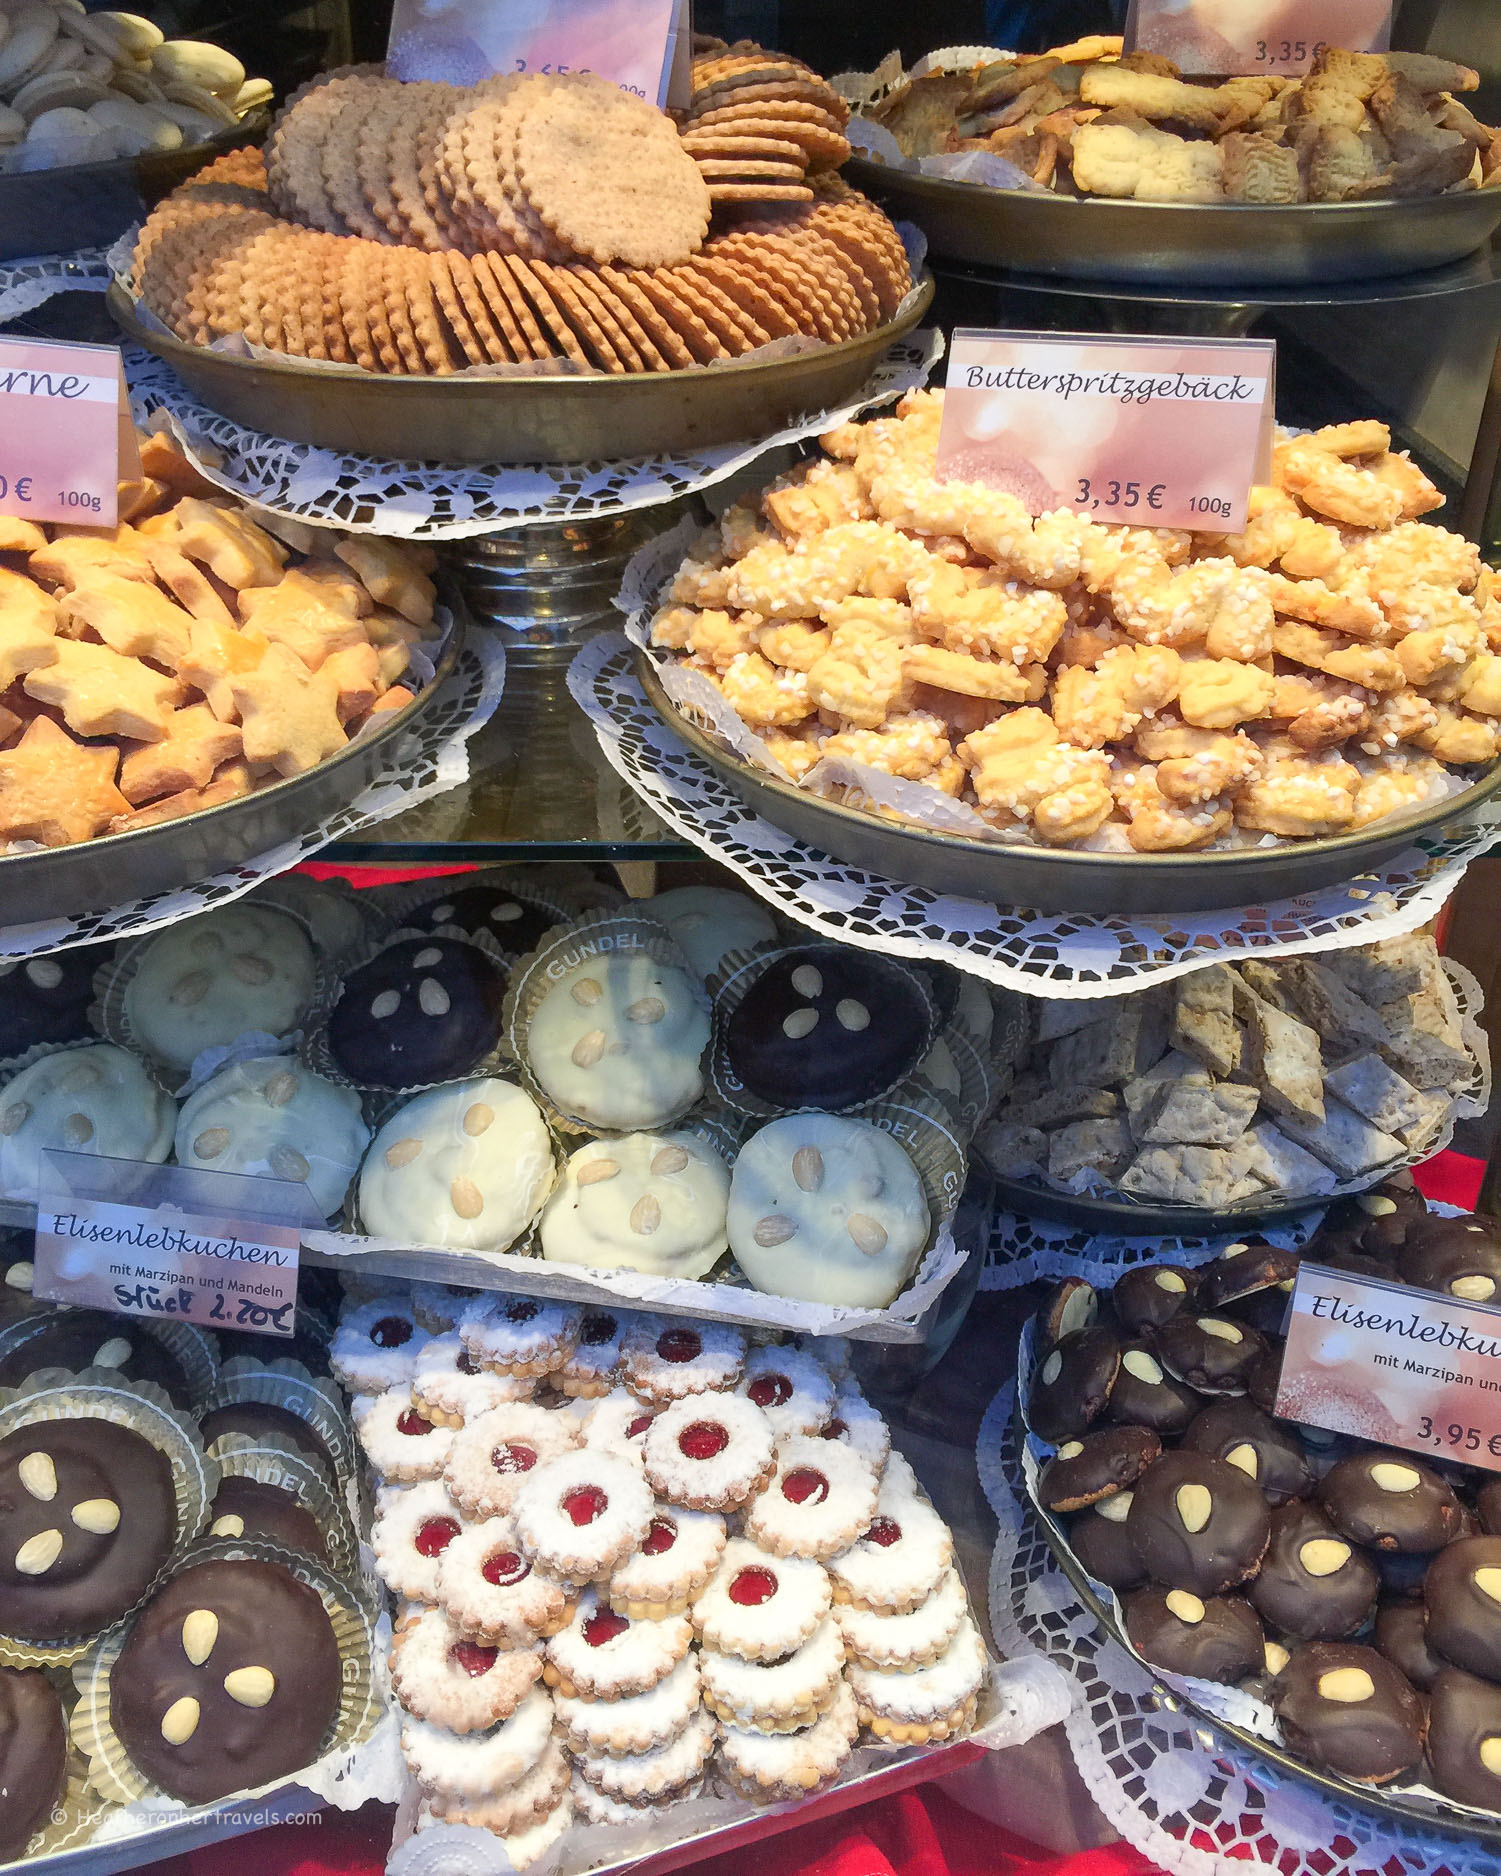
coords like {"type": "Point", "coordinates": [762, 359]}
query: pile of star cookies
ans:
{"type": "Point", "coordinates": [1240, 1084]}
{"type": "Point", "coordinates": [759, 124]}
{"type": "Point", "coordinates": [523, 222]}
{"type": "Point", "coordinates": [1087, 121]}
{"type": "Point", "coordinates": [187, 656]}
{"type": "Point", "coordinates": [633, 1554]}
{"type": "Point", "coordinates": [83, 87]}
{"type": "Point", "coordinates": [1132, 689]}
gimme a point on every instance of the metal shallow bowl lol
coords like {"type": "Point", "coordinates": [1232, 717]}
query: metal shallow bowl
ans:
{"type": "Point", "coordinates": [1434, 1814]}
{"type": "Point", "coordinates": [1122, 1217]}
{"type": "Point", "coordinates": [1049, 879]}
{"type": "Point", "coordinates": [88, 205]}
{"type": "Point", "coordinates": [96, 875]}
{"type": "Point", "coordinates": [545, 419]}
{"type": "Point", "coordinates": [1201, 244]}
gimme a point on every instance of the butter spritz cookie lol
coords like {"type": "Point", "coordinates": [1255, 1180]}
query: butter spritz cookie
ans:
{"type": "Point", "coordinates": [665, 1361]}
{"type": "Point", "coordinates": [819, 1502]}
{"type": "Point", "coordinates": [494, 1453]}
{"type": "Point", "coordinates": [759, 1606]}
{"type": "Point", "coordinates": [582, 1514]}
{"type": "Point", "coordinates": [680, 1552]}
{"type": "Point", "coordinates": [605, 1656]}
{"type": "Point", "coordinates": [491, 1590]}
{"type": "Point", "coordinates": [710, 1452]}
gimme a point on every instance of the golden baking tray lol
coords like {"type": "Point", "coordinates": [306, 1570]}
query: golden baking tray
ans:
{"type": "Point", "coordinates": [1053, 879]}
{"type": "Point", "coordinates": [114, 869]}
{"type": "Point", "coordinates": [547, 418]}
{"type": "Point", "coordinates": [1184, 244]}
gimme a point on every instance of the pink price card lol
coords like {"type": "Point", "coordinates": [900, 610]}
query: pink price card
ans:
{"type": "Point", "coordinates": [64, 425]}
{"type": "Point", "coordinates": [1277, 38]}
{"type": "Point", "coordinates": [636, 44]}
{"type": "Point", "coordinates": [1160, 433]}
{"type": "Point", "coordinates": [1403, 1367]}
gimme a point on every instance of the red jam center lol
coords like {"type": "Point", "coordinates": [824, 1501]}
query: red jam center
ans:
{"type": "Point", "coordinates": [473, 1658]}
{"type": "Point", "coordinates": [885, 1532]}
{"type": "Point", "coordinates": [805, 1485]}
{"type": "Point", "coordinates": [603, 1626]}
{"type": "Point", "coordinates": [638, 1426]}
{"type": "Point", "coordinates": [521, 1311]}
{"type": "Point", "coordinates": [705, 1439]}
{"type": "Point", "coordinates": [679, 1345]}
{"type": "Point", "coordinates": [434, 1537]}
{"type": "Point", "coordinates": [662, 1536]}
{"type": "Point", "coordinates": [513, 1457]}
{"type": "Point", "coordinates": [596, 1329]}
{"type": "Point", "coordinates": [466, 1363]}
{"type": "Point", "coordinates": [585, 1504]}
{"type": "Point", "coordinates": [770, 1390]}
{"type": "Point", "coordinates": [411, 1422]}
{"type": "Point", "coordinates": [753, 1587]}
{"type": "Point", "coordinates": [505, 1569]}
{"type": "Point", "coordinates": [835, 1430]}
{"type": "Point", "coordinates": [391, 1332]}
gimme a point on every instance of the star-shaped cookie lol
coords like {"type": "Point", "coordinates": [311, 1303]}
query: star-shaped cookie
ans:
{"type": "Point", "coordinates": [195, 744]}
{"type": "Point", "coordinates": [102, 694]}
{"type": "Point", "coordinates": [307, 616]}
{"type": "Point", "coordinates": [28, 624]}
{"type": "Point", "coordinates": [289, 715]}
{"type": "Point", "coordinates": [134, 619]}
{"type": "Point", "coordinates": [228, 543]}
{"type": "Point", "coordinates": [55, 790]}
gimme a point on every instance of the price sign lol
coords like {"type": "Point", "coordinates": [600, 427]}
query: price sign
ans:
{"type": "Point", "coordinates": [1399, 1366]}
{"type": "Point", "coordinates": [65, 435]}
{"type": "Point", "coordinates": [169, 1242]}
{"type": "Point", "coordinates": [644, 46]}
{"type": "Point", "coordinates": [1167, 433]}
{"type": "Point", "coordinates": [1280, 38]}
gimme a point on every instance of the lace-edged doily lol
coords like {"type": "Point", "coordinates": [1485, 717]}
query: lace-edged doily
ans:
{"type": "Point", "coordinates": [1064, 955]}
{"type": "Point", "coordinates": [450, 502]}
{"type": "Point", "coordinates": [1169, 1782]}
{"type": "Point", "coordinates": [1022, 1250]}
{"type": "Point", "coordinates": [27, 284]}
{"type": "Point", "coordinates": [428, 760]}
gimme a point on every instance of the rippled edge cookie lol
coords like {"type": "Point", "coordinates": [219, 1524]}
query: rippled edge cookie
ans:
{"type": "Point", "coordinates": [361, 1706]}
{"type": "Point", "coordinates": [596, 935]}
{"type": "Point", "coordinates": [143, 1409]}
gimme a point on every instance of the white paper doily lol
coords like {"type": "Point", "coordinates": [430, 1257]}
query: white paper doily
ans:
{"type": "Point", "coordinates": [1062, 955]}
{"type": "Point", "coordinates": [429, 759]}
{"type": "Point", "coordinates": [1173, 1786]}
{"type": "Point", "coordinates": [450, 502]}
{"type": "Point", "coordinates": [1022, 1250]}
{"type": "Point", "coordinates": [27, 284]}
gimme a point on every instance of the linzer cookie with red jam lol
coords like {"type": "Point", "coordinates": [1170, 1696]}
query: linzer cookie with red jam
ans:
{"type": "Point", "coordinates": [777, 1768]}
{"type": "Point", "coordinates": [603, 1655]}
{"type": "Point", "coordinates": [450, 1387]}
{"type": "Point", "coordinates": [901, 1558]}
{"type": "Point", "coordinates": [440, 1674]}
{"type": "Point", "coordinates": [472, 1766]}
{"type": "Point", "coordinates": [591, 1370]}
{"type": "Point", "coordinates": [619, 1423]}
{"type": "Point", "coordinates": [680, 1552]}
{"type": "Point", "coordinates": [791, 1388]}
{"type": "Point", "coordinates": [376, 1345]}
{"type": "Point", "coordinates": [519, 1335]}
{"type": "Point", "coordinates": [709, 1452]}
{"type": "Point", "coordinates": [664, 1361]}
{"type": "Point", "coordinates": [634, 1722]}
{"type": "Point", "coordinates": [581, 1514]}
{"type": "Point", "coordinates": [935, 1702]}
{"type": "Point", "coordinates": [401, 1444]}
{"type": "Point", "coordinates": [820, 1501]}
{"type": "Point", "coordinates": [493, 1592]}
{"type": "Point", "coordinates": [494, 1453]}
{"type": "Point", "coordinates": [781, 1695]}
{"type": "Point", "coordinates": [413, 1526]}
{"type": "Point", "coordinates": [759, 1606]}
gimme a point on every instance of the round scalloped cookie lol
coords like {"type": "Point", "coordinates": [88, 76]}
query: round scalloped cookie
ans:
{"type": "Point", "coordinates": [604, 1656]}
{"type": "Point", "coordinates": [678, 1555]}
{"type": "Point", "coordinates": [778, 1696]}
{"type": "Point", "coordinates": [520, 1335]}
{"type": "Point", "coordinates": [471, 1765]}
{"type": "Point", "coordinates": [590, 1372]}
{"type": "Point", "coordinates": [400, 1443]}
{"type": "Point", "coordinates": [450, 1386]}
{"type": "Point", "coordinates": [759, 1606]}
{"type": "Point", "coordinates": [934, 1702]}
{"type": "Point", "coordinates": [637, 1723]}
{"type": "Point", "coordinates": [856, 1424]}
{"type": "Point", "coordinates": [493, 1592]}
{"type": "Point", "coordinates": [376, 1345]}
{"type": "Point", "coordinates": [466, 1167]}
{"type": "Point", "coordinates": [414, 1525]}
{"type": "Point", "coordinates": [710, 1452]}
{"type": "Point", "coordinates": [619, 1423]}
{"type": "Point", "coordinates": [792, 1389]}
{"type": "Point", "coordinates": [822, 1497]}
{"type": "Point", "coordinates": [493, 1454]}
{"type": "Point", "coordinates": [662, 1361]}
{"type": "Point", "coordinates": [640, 1778]}
{"type": "Point", "coordinates": [900, 1560]}
{"type": "Point", "coordinates": [903, 1643]}
{"type": "Point", "coordinates": [827, 1209]}
{"type": "Point", "coordinates": [776, 1768]}
{"type": "Point", "coordinates": [438, 1306]}
{"type": "Point", "coordinates": [524, 1846]}
{"type": "Point", "coordinates": [642, 1201]}
{"type": "Point", "coordinates": [582, 1514]}
{"type": "Point", "coordinates": [518, 1812]}
{"type": "Point", "coordinates": [440, 1674]}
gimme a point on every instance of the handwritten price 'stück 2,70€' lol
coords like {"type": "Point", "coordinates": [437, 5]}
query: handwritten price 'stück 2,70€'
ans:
{"type": "Point", "coordinates": [64, 423]}
{"type": "Point", "coordinates": [1167, 433]}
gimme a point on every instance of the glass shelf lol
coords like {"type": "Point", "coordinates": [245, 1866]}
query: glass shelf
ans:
{"type": "Point", "coordinates": [540, 790]}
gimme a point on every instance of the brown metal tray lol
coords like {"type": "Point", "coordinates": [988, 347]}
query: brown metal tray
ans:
{"type": "Point", "coordinates": [1054, 880]}
{"type": "Point", "coordinates": [1199, 244]}
{"type": "Point", "coordinates": [88, 205]}
{"type": "Point", "coordinates": [547, 418]}
{"type": "Point", "coordinates": [95, 875]}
